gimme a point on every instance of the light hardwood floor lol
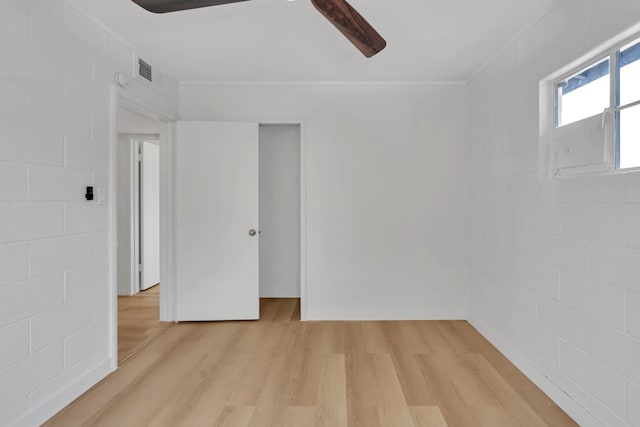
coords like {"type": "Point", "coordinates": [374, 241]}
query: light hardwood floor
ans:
{"type": "Point", "coordinates": [138, 322]}
{"type": "Point", "coordinates": [281, 372]}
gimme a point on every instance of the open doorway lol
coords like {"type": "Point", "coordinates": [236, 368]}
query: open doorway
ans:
{"type": "Point", "coordinates": [138, 191]}
{"type": "Point", "coordinates": [280, 272]}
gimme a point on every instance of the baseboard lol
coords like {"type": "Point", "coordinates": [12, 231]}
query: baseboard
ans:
{"type": "Point", "coordinates": [277, 295]}
{"type": "Point", "coordinates": [363, 314]}
{"type": "Point", "coordinates": [37, 416]}
{"type": "Point", "coordinates": [575, 410]}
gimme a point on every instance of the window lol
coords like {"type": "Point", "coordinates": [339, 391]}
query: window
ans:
{"type": "Point", "coordinates": [590, 114]}
{"type": "Point", "coordinates": [628, 107]}
{"type": "Point", "coordinates": [584, 94]}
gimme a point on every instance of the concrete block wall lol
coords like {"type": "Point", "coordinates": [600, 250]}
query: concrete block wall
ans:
{"type": "Point", "coordinates": [555, 264]}
{"type": "Point", "coordinates": [56, 69]}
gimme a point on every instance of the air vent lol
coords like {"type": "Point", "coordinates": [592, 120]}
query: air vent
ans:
{"type": "Point", "coordinates": [145, 70]}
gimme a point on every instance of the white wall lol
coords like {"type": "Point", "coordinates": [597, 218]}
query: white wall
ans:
{"type": "Point", "coordinates": [555, 265]}
{"type": "Point", "coordinates": [134, 123]}
{"type": "Point", "coordinates": [279, 211]}
{"type": "Point", "coordinates": [126, 228]}
{"type": "Point", "coordinates": [54, 256]}
{"type": "Point", "coordinates": [386, 191]}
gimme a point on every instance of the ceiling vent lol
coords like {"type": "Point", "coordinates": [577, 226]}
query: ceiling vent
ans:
{"type": "Point", "coordinates": [145, 70]}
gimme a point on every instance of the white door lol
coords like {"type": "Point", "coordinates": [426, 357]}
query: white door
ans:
{"type": "Point", "coordinates": [217, 221]}
{"type": "Point", "coordinates": [150, 214]}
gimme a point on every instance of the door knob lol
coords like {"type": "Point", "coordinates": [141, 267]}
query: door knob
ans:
{"type": "Point", "coordinates": [252, 232]}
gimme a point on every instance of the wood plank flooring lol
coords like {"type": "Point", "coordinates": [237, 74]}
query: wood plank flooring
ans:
{"type": "Point", "coordinates": [281, 372]}
{"type": "Point", "coordinates": [138, 322]}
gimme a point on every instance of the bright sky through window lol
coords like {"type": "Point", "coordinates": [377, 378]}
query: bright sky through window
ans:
{"type": "Point", "coordinates": [585, 94]}
{"type": "Point", "coordinates": [629, 148]}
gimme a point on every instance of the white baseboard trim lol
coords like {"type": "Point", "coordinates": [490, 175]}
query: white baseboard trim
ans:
{"type": "Point", "coordinates": [276, 295]}
{"type": "Point", "coordinates": [362, 314]}
{"type": "Point", "coordinates": [575, 410]}
{"type": "Point", "coordinates": [37, 416]}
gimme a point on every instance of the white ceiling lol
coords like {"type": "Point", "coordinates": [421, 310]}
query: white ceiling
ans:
{"type": "Point", "coordinates": [279, 40]}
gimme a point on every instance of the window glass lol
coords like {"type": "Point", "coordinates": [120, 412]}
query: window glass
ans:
{"type": "Point", "coordinates": [584, 94]}
{"type": "Point", "coordinates": [629, 62]}
{"type": "Point", "coordinates": [630, 138]}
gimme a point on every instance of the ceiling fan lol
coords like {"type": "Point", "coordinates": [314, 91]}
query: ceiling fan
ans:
{"type": "Point", "coordinates": [338, 12]}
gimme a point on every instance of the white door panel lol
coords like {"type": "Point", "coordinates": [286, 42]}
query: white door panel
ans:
{"type": "Point", "coordinates": [216, 207]}
{"type": "Point", "coordinates": [150, 214]}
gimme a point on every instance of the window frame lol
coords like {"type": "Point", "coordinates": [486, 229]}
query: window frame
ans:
{"type": "Point", "coordinates": [618, 108]}
{"type": "Point", "coordinates": [550, 103]}
{"type": "Point", "coordinates": [595, 62]}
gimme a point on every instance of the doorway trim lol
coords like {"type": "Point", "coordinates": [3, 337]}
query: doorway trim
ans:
{"type": "Point", "coordinates": [124, 99]}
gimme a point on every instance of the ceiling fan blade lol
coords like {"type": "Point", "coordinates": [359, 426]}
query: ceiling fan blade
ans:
{"type": "Point", "coordinates": [350, 23]}
{"type": "Point", "coordinates": [164, 6]}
